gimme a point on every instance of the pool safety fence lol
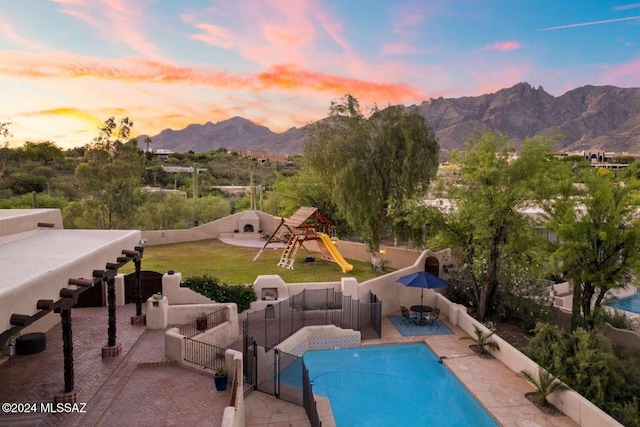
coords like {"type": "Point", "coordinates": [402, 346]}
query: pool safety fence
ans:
{"type": "Point", "coordinates": [279, 321]}
{"type": "Point", "coordinates": [203, 354]}
{"type": "Point", "coordinates": [204, 323]}
{"type": "Point", "coordinates": [282, 375]}
{"type": "Point", "coordinates": [309, 401]}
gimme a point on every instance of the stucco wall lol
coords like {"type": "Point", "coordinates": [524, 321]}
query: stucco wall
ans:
{"type": "Point", "coordinates": [15, 221]}
{"type": "Point", "coordinates": [211, 230]}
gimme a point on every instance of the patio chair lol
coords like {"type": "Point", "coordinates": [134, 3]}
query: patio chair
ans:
{"type": "Point", "coordinates": [433, 317]}
{"type": "Point", "coordinates": [408, 317]}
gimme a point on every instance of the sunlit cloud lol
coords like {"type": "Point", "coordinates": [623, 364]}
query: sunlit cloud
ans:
{"type": "Point", "coordinates": [625, 71]}
{"type": "Point", "coordinates": [293, 78]}
{"type": "Point", "coordinates": [584, 24]}
{"type": "Point", "coordinates": [504, 46]}
{"type": "Point", "coordinates": [215, 35]}
{"type": "Point", "coordinates": [114, 20]}
{"type": "Point", "coordinates": [278, 77]}
{"type": "Point", "coordinates": [10, 34]}
{"type": "Point", "coordinates": [73, 113]}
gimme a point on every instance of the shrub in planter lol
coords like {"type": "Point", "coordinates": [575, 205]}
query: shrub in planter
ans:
{"type": "Point", "coordinates": [242, 295]}
{"type": "Point", "coordinates": [482, 341]}
{"type": "Point", "coordinates": [221, 377]}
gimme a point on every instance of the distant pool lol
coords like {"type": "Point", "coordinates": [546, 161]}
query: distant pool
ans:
{"type": "Point", "coordinates": [392, 385]}
{"type": "Point", "coordinates": [631, 303]}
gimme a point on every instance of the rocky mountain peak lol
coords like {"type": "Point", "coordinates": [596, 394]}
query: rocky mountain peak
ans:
{"type": "Point", "coordinates": [598, 117]}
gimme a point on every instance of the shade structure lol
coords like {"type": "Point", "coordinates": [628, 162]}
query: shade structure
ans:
{"type": "Point", "coordinates": [424, 280]}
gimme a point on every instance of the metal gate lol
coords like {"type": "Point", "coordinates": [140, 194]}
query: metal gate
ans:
{"type": "Point", "coordinates": [282, 375]}
{"type": "Point", "coordinates": [150, 283]}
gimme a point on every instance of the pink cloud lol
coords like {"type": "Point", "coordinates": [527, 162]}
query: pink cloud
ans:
{"type": "Point", "coordinates": [118, 20]}
{"type": "Point", "coordinates": [215, 35]}
{"type": "Point", "coordinates": [10, 34]}
{"type": "Point", "coordinates": [504, 46]}
{"type": "Point", "coordinates": [135, 70]}
{"type": "Point", "coordinates": [275, 32]}
{"type": "Point", "coordinates": [625, 75]}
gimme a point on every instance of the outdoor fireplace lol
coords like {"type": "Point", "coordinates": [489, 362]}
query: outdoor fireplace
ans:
{"type": "Point", "coordinates": [269, 294]}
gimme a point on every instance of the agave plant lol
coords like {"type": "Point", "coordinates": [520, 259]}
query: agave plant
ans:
{"type": "Point", "coordinates": [544, 385]}
{"type": "Point", "coordinates": [482, 340]}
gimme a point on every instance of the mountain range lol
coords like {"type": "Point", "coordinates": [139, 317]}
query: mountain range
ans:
{"type": "Point", "coordinates": [590, 117]}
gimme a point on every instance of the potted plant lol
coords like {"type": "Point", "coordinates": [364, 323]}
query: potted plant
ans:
{"type": "Point", "coordinates": [201, 321]}
{"type": "Point", "coordinates": [220, 377]}
{"type": "Point", "coordinates": [482, 341]}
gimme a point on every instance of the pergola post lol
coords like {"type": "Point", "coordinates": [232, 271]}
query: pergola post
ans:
{"type": "Point", "coordinates": [111, 302]}
{"type": "Point", "coordinates": [112, 349]}
{"type": "Point", "coordinates": [67, 349]}
{"type": "Point", "coordinates": [138, 264]}
{"type": "Point", "coordinates": [68, 298]}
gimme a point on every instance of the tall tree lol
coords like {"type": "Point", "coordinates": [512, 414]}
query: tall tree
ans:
{"type": "Point", "coordinates": [45, 152]}
{"type": "Point", "coordinates": [487, 229]}
{"type": "Point", "coordinates": [372, 164]}
{"type": "Point", "coordinates": [5, 133]}
{"type": "Point", "coordinates": [599, 240]}
{"type": "Point", "coordinates": [111, 176]}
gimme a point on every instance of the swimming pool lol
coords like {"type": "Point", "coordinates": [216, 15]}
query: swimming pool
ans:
{"type": "Point", "coordinates": [392, 385]}
{"type": "Point", "coordinates": [631, 303]}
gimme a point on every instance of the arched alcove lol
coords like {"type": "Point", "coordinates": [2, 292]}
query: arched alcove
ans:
{"type": "Point", "coordinates": [432, 265]}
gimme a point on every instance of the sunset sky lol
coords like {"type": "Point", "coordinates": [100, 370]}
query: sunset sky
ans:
{"type": "Point", "coordinates": [68, 65]}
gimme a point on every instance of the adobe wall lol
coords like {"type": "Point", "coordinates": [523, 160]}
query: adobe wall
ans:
{"type": "Point", "coordinates": [15, 221]}
{"type": "Point", "coordinates": [211, 230]}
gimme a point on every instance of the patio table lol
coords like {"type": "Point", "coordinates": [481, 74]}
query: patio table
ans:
{"type": "Point", "coordinates": [423, 310]}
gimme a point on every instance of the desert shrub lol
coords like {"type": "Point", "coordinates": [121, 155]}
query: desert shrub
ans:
{"type": "Point", "coordinates": [617, 319]}
{"type": "Point", "coordinates": [588, 363]}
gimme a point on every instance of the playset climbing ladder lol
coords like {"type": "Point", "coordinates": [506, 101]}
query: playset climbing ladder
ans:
{"type": "Point", "coordinates": [290, 251]}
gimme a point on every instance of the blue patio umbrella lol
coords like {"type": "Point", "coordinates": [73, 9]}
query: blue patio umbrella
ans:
{"type": "Point", "coordinates": [424, 280]}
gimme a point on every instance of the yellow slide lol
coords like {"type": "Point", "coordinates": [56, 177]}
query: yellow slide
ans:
{"type": "Point", "coordinates": [346, 267]}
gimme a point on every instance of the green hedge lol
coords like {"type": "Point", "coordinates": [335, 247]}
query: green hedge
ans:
{"type": "Point", "coordinates": [242, 295]}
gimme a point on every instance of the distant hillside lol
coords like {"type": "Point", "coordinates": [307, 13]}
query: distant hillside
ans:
{"type": "Point", "coordinates": [602, 117]}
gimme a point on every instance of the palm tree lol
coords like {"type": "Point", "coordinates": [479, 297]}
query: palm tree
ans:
{"type": "Point", "coordinates": [482, 340]}
{"type": "Point", "coordinates": [545, 384]}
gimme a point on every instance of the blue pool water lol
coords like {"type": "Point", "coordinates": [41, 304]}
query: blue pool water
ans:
{"type": "Point", "coordinates": [631, 303]}
{"type": "Point", "coordinates": [393, 385]}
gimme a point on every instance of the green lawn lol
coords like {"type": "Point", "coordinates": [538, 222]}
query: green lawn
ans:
{"type": "Point", "coordinates": [235, 265]}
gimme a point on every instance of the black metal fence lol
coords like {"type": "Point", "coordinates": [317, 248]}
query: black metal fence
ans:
{"type": "Point", "coordinates": [277, 322]}
{"type": "Point", "coordinates": [309, 401]}
{"type": "Point", "coordinates": [203, 323]}
{"type": "Point", "coordinates": [282, 375]}
{"type": "Point", "coordinates": [203, 354]}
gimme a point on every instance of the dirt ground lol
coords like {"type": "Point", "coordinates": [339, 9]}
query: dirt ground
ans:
{"type": "Point", "coordinates": [514, 334]}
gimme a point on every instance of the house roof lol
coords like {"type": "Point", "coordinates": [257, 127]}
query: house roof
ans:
{"type": "Point", "coordinates": [39, 259]}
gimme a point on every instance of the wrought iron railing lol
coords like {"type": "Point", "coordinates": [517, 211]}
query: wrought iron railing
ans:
{"type": "Point", "coordinates": [203, 354]}
{"type": "Point", "coordinates": [204, 323]}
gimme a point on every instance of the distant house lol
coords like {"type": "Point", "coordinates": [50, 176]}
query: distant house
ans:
{"type": "Point", "coordinates": [263, 156]}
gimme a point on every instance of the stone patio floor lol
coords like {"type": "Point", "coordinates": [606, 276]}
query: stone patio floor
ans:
{"type": "Point", "coordinates": [141, 387]}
